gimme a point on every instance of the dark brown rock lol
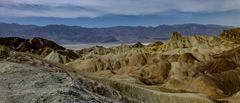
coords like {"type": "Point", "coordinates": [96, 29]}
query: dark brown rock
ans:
{"type": "Point", "coordinates": [32, 45]}
{"type": "Point", "coordinates": [137, 45]}
{"type": "Point", "coordinates": [11, 42]}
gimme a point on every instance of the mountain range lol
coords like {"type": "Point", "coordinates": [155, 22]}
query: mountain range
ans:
{"type": "Point", "coordinates": [121, 34]}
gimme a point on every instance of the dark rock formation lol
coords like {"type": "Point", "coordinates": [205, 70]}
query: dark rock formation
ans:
{"type": "Point", "coordinates": [40, 46]}
{"type": "Point", "coordinates": [32, 45]}
{"type": "Point", "coordinates": [137, 45]}
{"type": "Point", "coordinates": [12, 42]}
{"type": "Point", "coordinates": [157, 43]}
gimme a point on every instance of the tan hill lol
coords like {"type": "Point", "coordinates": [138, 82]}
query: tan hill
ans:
{"type": "Point", "coordinates": [204, 66]}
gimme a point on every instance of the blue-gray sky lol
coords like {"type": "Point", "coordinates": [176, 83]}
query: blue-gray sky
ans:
{"type": "Point", "coordinates": [104, 13]}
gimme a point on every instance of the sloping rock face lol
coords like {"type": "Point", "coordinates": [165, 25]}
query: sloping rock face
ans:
{"type": "Point", "coordinates": [58, 58]}
{"type": "Point", "coordinates": [62, 56]}
{"type": "Point", "coordinates": [27, 79]}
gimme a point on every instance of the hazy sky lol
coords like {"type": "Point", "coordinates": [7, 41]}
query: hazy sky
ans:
{"type": "Point", "coordinates": [101, 13]}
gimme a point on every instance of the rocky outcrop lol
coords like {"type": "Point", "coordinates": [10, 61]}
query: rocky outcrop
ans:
{"type": "Point", "coordinates": [231, 35]}
{"type": "Point", "coordinates": [39, 46]}
{"type": "Point", "coordinates": [176, 36]}
{"type": "Point", "coordinates": [179, 41]}
{"type": "Point", "coordinates": [137, 45]}
{"type": "Point", "coordinates": [28, 79]}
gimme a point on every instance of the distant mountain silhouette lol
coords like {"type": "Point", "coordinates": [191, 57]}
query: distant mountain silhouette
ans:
{"type": "Point", "coordinates": [77, 34]}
